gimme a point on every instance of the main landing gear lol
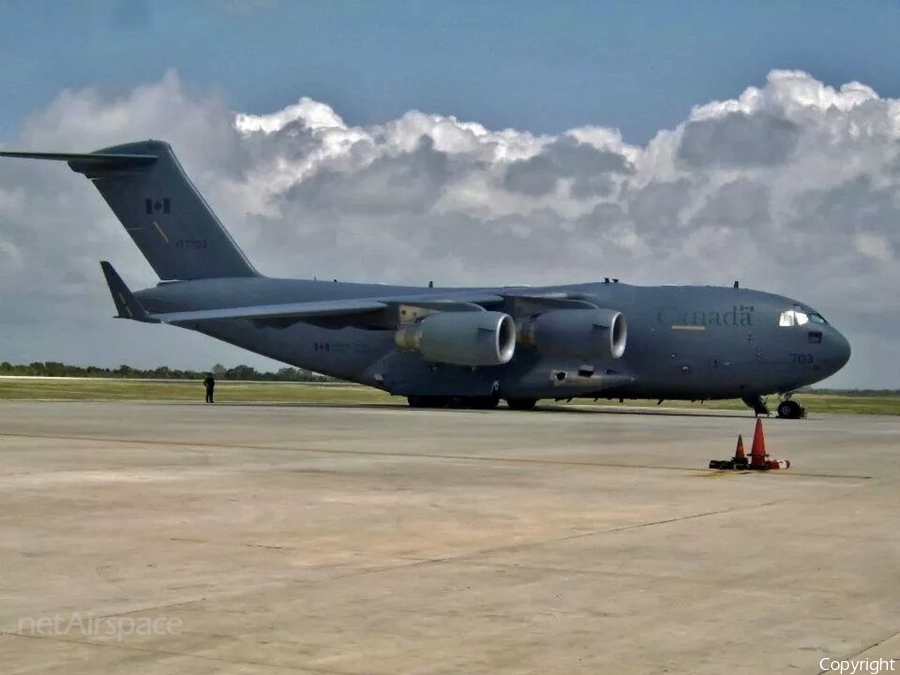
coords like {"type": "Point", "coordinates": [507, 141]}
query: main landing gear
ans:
{"type": "Point", "coordinates": [471, 402]}
{"type": "Point", "coordinates": [521, 403]}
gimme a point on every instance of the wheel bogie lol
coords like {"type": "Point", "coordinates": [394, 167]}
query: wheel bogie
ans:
{"type": "Point", "coordinates": [521, 403]}
{"type": "Point", "coordinates": [480, 402]}
{"type": "Point", "coordinates": [428, 401]}
{"type": "Point", "coordinates": [464, 402]}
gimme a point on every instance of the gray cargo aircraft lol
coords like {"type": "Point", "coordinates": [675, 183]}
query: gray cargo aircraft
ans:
{"type": "Point", "coordinates": [466, 347]}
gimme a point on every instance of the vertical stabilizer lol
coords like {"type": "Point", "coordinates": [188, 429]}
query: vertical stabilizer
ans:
{"type": "Point", "coordinates": [166, 216]}
{"type": "Point", "coordinates": [160, 208]}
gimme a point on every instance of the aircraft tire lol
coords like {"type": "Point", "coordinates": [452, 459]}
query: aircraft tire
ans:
{"type": "Point", "coordinates": [521, 403]}
{"type": "Point", "coordinates": [481, 402]}
{"type": "Point", "coordinates": [790, 410]}
{"type": "Point", "coordinates": [427, 401]}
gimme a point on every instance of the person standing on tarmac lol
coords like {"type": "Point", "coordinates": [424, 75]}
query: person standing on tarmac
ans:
{"type": "Point", "coordinates": [210, 384]}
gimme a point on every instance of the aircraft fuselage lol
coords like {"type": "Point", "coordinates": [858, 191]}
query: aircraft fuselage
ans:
{"type": "Point", "coordinates": [684, 342]}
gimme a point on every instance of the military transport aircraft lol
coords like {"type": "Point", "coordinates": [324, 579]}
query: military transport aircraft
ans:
{"type": "Point", "coordinates": [466, 347]}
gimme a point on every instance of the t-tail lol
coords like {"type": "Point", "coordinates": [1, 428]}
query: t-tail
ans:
{"type": "Point", "coordinates": [160, 208]}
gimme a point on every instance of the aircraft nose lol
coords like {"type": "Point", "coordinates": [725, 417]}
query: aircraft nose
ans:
{"type": "Point", "coordinates": [838, 352]}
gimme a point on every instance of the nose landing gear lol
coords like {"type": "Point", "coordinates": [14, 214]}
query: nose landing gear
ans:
{"type": "Point", "coordinates": [790, 410]}
{"type": "Point", "coordinates": [787, 409]}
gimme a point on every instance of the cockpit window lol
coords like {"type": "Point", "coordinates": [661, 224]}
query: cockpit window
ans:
{"type": "Point", "coordinates": [799, 317]}
{"type": "Point", "coordinates": [796, 317]}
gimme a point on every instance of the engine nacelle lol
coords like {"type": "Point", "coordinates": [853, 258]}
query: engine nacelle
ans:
{"type": "Point", "coordinates": [461, 338]}
{"type": "Point", "coordinates": [577, 333]}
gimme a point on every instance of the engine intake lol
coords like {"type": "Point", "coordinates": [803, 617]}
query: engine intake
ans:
{"type": "Point", "coordinates": [461, 338]}
{"type": "Point", "coordinates": [577, 333]}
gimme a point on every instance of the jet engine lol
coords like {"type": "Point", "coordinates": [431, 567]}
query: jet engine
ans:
{"type": "Point", "coordinates": [576, 333]}
{"type": "Point", "coordinates": [461, 338]}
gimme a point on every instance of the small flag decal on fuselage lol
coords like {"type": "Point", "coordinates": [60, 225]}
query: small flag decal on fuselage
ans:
{"type": "Point", "coordinates": [156, 205]}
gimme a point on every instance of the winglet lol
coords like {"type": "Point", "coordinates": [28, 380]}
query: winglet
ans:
{"type": "Point", "coordinates": [126, 304]}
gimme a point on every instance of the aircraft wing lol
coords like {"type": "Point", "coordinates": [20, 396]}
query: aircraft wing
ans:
{"type": "Point", "coordinates": [291, 310]}
{"type": "Point", "coordinates": [353, 309]}
{"type": "Point", "coordinates": [384, 311]}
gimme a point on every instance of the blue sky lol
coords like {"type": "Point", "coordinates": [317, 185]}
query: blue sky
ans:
{"type": "Point", "coordinates": [546, 67]}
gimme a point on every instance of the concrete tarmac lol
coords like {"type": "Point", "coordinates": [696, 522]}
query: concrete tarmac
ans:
{"type": "Point", "coordinates": [351, 540]}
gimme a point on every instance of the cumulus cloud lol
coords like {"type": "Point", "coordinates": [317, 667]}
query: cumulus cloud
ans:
{"type": "Point", "coordinates": [738, 140]}
{"type": "Point", "coordinates": [790, 187]}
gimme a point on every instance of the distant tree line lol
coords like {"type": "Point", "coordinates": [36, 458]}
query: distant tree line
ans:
{"type": "Point", "coordinates": [220, 372]}
{"type": "Point", "coordinates": [286, 374]}
{"type": "Point", "coordinates": [852, 392]}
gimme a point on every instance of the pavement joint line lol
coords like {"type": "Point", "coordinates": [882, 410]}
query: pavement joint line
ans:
{"type": "Point", "coordinates": [415, 455]}
{"type": "Point", "coordinates": [864, 650]}
{"type": "Point", "coordinates": [154, 608]}
{"type": "Point", "coordinates": [473, 555]}
{"type": "Point", "coordinates": [744, 591]}
{"type": "Point", "coordinates": [543, 542]}
{"type": "Point", "coordinates": [248, 544]}
{"type": "Point", "coordinates": [164, 652]}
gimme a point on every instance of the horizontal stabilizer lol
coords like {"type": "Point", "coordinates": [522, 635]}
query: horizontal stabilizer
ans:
{"type": "Point", "coordinates": [292, 310]}
{"type": "Point", "coordinates": [126, 304]}
{"type": "Point", "coordinates": [82, 162]}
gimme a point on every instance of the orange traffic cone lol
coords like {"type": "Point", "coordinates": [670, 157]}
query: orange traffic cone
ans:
{"type": "Point", "coordinates": [740, 459]}
{"type": "Point", "coordinates": [758, 449]}
{"type": "Point", "coordinates": [739, 450]}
